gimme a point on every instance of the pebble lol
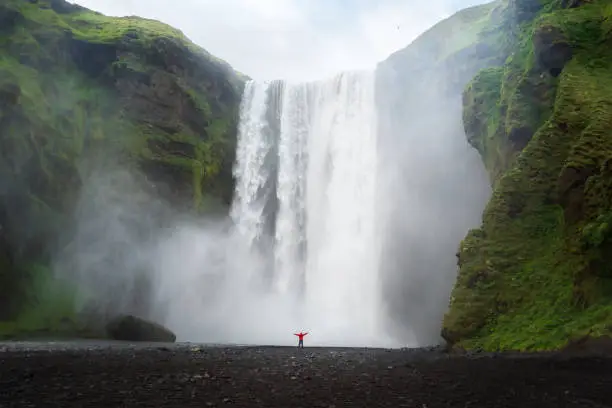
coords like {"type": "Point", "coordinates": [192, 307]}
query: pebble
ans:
{"type": "Point", "coordinates": [264, 377]}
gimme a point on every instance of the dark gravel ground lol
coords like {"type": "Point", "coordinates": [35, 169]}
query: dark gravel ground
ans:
{"type": "Point", "coordinates": [183, 375]}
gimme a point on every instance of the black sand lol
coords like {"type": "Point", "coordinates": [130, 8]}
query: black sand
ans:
{"type": "Point", "coordinates": [119, 375]}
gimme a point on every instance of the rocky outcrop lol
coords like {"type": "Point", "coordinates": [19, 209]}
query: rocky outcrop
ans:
{"type": "Point", "coordinates": [535, 275]}
{"type": "Point", "coordinates": [132, 328]}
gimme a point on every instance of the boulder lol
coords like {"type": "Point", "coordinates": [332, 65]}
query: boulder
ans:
{"type": "Point", "coordinates": [589, 343]}
{"type": "Point", "coordinates": [132, 328]}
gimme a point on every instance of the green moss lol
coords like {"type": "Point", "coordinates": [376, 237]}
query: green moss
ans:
{"type": "Point", "coordinates": [481, 114]}
{"type": "Point", "coordinates": [94, 27]}
{"type": "Point", "coordinates": [48, 310]}
{"type": "Point", "coordinates": [541, 254]}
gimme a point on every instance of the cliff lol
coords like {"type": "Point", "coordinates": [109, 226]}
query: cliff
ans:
{"type": "Point", "coordinates": [80, 91]}
{"type": "Point", "coordinates": [536, 275]}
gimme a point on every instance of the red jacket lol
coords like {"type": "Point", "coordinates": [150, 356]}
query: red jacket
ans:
{"type": "Point", "coordinates": [300, 335]}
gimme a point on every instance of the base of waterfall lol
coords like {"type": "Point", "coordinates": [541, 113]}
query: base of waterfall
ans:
{"type": "Point", "coordinates": [109, 374]}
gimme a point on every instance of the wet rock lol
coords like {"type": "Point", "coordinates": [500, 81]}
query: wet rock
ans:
{"type": "Point", "coordinates": [63, 7]}
{"type": "Point", "coordinates": [574, 3]}
{"type": "Point", "coordinates": [91, 58]}
{"type": "Point", "coordinates": [132, 328]}
{"type": "Point", "coordinates": [570, 191]}
{"type": "Point", "coordinates": [9, 18]}
{"type": "Point", "coordinates": [590, 343]}
{"type": "Point", "coordinates": [552, 49]}
{"type": "Point", "coordinates": [525, 10]}
{"type": "Point", "coordinates": [9, 94]}
{"type": "Point", "coordinates": [520, 136]}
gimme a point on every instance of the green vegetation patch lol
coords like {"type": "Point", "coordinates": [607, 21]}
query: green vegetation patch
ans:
{"type": "Point", "coordinates": [536, 274]}
{"type": "Point", "coordinates": [50, 312]}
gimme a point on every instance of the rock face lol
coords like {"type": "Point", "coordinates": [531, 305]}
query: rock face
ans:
{"type": "Point", "coordinates": [80, 91]}
{"type": "Point", "coordinates": [536, 274]}
{"type": "Point", "coordinates": [132, 328]}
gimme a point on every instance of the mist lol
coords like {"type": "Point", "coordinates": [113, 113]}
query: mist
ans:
{"type": "Point", "coordinates": [433, 187]}
{"type": "Point", "coordinates": [131, 253]}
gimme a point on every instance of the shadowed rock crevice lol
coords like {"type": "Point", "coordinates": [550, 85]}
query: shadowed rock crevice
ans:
{"type": "Point", "coordinates": [90, 58]}
{"type": "Point", "coordinates": [552, 49]}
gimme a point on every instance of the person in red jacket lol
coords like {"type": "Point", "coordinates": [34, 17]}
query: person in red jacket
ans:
{"type": "Point", "coordinates": [301, 338]}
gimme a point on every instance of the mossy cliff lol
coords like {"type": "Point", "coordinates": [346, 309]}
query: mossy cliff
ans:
{"type": "Point", "coordinates": [538, 273]}
{"type": "Point", "coordinates": [79, 90]}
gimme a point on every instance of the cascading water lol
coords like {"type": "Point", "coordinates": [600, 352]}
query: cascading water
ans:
{"type": "Point", "coordinates": [346, 217]}
{"type": "Point", "coordinates": [251, 170]}
{"type": "Point", "coordinates": [324, 253]}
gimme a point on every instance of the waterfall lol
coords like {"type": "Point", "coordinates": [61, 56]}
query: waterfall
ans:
{"type": "Point", "coordinates": [351, 197]}
{"type": "Point", "coordinates": [251, 171]}
{"type": "Point", "coordinates": [314, 144]}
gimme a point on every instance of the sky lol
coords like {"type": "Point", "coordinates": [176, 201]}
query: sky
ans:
{"type": "Point", "coordinates": [293, 39]}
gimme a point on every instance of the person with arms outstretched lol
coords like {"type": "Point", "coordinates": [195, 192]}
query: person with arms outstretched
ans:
{"type": "Point", "coordinates": [301, 338]}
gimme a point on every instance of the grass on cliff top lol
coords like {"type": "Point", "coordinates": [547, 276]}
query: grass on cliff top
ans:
{"type": "Point", "coordinates": [98, 28]}
{"type": "Point", "coordinates": [524, 282]}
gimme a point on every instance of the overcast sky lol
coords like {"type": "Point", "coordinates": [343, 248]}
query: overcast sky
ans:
{"type": "Point", "coordinates": [293, 39]}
